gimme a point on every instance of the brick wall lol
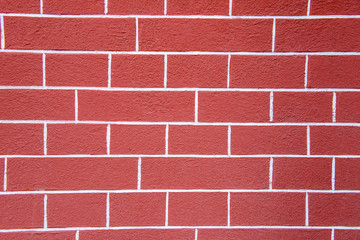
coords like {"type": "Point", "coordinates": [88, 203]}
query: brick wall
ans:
{"type": "Point", "coordinates": [199, 119]}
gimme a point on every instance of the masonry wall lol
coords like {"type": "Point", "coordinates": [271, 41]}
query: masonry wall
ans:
{"type": "Point", "coordinates": [199, 119]}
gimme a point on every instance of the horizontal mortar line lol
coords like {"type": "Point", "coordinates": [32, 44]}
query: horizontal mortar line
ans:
{"type": "Point", "coordinates": [179, 16]}
{"type": "Point", "coordinates": [182, 89]}
{"type": "Point", "coordinates": [178, 227]}
{"type": "Point", "coordinates": [177, 53]}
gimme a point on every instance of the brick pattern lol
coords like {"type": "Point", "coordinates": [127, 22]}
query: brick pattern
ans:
{"type": "Point", "coordinates": [169, 119]}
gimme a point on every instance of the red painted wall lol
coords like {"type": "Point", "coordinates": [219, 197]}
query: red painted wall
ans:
{"type": "Point", "coordinates": [170, 119]}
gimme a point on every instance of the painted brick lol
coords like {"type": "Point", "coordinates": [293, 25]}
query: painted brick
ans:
{"type": "Point", "coordinates": [348, 107]}
{"type": "Point", "coordinates": [197, 209]}
{"type": "Point", "coordinates": [137, 71]}
{"type": "Point", "coordinates": [336, 140]}
{"type": "Point", "coordinates": [262, 209]}
{"type": "Point", "coordinates": [24, 139]}
{"type": "Point", "coordinates": [334, 72]}
{"type": "Point", "coordinates": [264, 234]}
{"type": "Point", "coordinates": [21, 211]}
{"type": "Point", "coordinates": [302, 173]}
{"type": "Point", "coordinates": [346, 234]}
{"type": "Point", "coordinates": [137, 139]}
{"type": "Point", "coordinates": [206, 140]}
{"type": "Point", "coordinates": [317, 35]}
{"type": "Point", "coordinates": [197, 71]}
{"type": "Point", "coordinates": [205, 35]}
{"type": "Point", "coordinates": [76, 210]}
{"type": "Point", "coordinates": [347, 174]}
{"type": "Point", "coordinates": [54, 34]}
{"type": "Point", "coordinates": [329, 209]}
{"type": "Point", "coordinates": [137, 209]}
{"type": "Point", "coordinates": [61, 235]}
{"type": "Point", "coordinates": [267, 71]}
{"type": "Point", "coordinates": [21, 69]}
{"type": "Point", "coordinates": [29, 6]}
{"type": "Point", "coordinates": [269, 7]}
{"type": "Point", "coordinates": [204, 173]}
{"type": "Point", "coordinates": [133, 234]}
{"type": "Point", "coordinates": [76, 139]}
{"type": "Point", "coordinates": [335, 7]}
{"type": "Point", "coordinates": [19, 104]}
{"type": "Point", "coordinates": [136, 7]}
{"type": "Point", "coordinates": [84, 70]}
{"type": "Point", "coordinates": [136, 106]}
{"type": "Point", "coordinates": [302, 107]}
{"type": "Point", "coordinates": [198, 7]}
{"type": "Point", "coordinates": [268, 140]}
{"type": "Point", "coordinates": [2, 166]}
{"type": "Point", "coordinates": [234, 106]}
{"type": "Point", "coordinates": [73, 7]}
{"type": "Point", "coordinates": [32, 174]}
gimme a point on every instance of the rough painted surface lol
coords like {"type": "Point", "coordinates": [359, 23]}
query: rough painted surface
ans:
{"type": "Point", "coordinates": [173, 119]}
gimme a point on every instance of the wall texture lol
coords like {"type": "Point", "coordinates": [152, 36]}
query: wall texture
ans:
{"type": "Point", "coordinates": [197, 119]}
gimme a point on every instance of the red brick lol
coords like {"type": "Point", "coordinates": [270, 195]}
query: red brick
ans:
{"type": "Point", "coordinates": [267, 71]}
{"type": "Point", "coordinates": [335, 7]}
{"type": "Point", "coordinates": [198, 140]}
{"type": "Point", "coordinates": [317, 35]}
{"type": "Point", "coordinates": [218, 35]}
{"type": "Point", "coordinates": [134, 234]}
{"type": "Point", "coordinates": [136, 106]}
{"type": "Point", "coordinates": [198, 7]}
{"type": "Point", "coordinates": [84, 70]}
{"type": "Point", "coordinates": [32, 174]}
{"type": "Point", "coordinates": [347, 234]}
{"type": "Point", "coordinates": [264, 234]}
{"type": "Point", "coordinates": [334, 140]}
{"type": "Point", "coordinates": [21, 211]}
{"type": "Point", "coordinates": [334, 209]}
{"type": "Point", "coordinates": [73, 7]}
{"type": "Point", "coordinates": [347, 174]}
{"type": "Point", "coordinates": [76, 210]}
{"type": "Point", "coordinates": [137, 71]}
{"type": "Point", "coordinates": [302, 173]}
{"type": "Point", "coordinates": [69, 33]}
{"type": "Point", "coordinates": [18, 104]}
{"type": "Point", "coordinates": [61, 235]}
{"type": "Point", "coordinates": [260, 209]}
{"type": "Point", "coordinates": [2, 165]}
{"type": "Point", "coordinates": [234, 106]}
{"type": "Point", "coordinates": [137, 139]}
{"type": "Point", "coordinates": [303, 106]}
{"type": "Point", "coordinates": [76, 139]}
{"type": "Point", "coordinates": [197, 71]}
{"type": "Point", "coordinates": [197, 209]}
{"type": "Point", "coordinates": [136, 7]}
{"type": "Point", "coordinates": [21, 139]}
{"type": "Point", "coordinates": [269, 7]}
{"type": "Point", "coordinates": [21, 69]}
{"type": "Point", "coordinates": [204, 173]}
{"type": "Point", "coordinates": [334, 72]}
{"type": "Point", "coordinates": [137, 209]}
{"type": "Point", "coordinates": [348, 107]}
{"type": "Point", "coordinates": [268, 140]}
{"type": "Point", "coordinates": [29, 6]}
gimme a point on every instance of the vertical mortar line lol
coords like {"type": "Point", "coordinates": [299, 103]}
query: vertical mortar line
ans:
{"type": "Point", "coordinates": [165, 70]}
{"type": "Point", "coordinates": [5, 174]}
{"type": "Point", "coordinates": [196, 105]}
{"type": "Point", "coordinates": [139, 174]}
{"type": "Point", "coordinates": [334, 107]}
{"type": "Point", "coordinates": [230, 7]}
{"type": "Point", "coordinates": [41, 7]}
{"type": "Point", "coordinates": [308, 7]}
{"type": "Point", "coordinates": [271, 106]}
{"type": "Point", "coordinates": [167, 139]}
{"type": "Point", "coordinates": [332, 234]}
{"type": "Point", "coordinates": [2, 33]}
{"type": "Point", "coordinates": [108, 210]}
{"type": "Point", "coordinates": [109, 69]}
{"type": "Point", "coordinates": [271, 167]}
{"type": "Point", "coordinates": [196, 234]}
{"type": "Point", "coordinates": [167, 209]}
{"type": "Point", "coordinates": [308, 139]}
{"type": "Point", "coordinates": [228, 72]}
{"type": "Point", "coordinates": [165, 7]}
{"type": "Point", "coordinates": [229, 140]}
{"type": "Point", "coordinates": [108, 139]}
{"type": "Point", "coordinates": [137, 34]}
{"type": "Point", "coordinates": [45, 211]}
{"type": "Point", "coordinates": [105, 6]}
{"type": "Point", "coordinates": [77, 235]}
{"type": "Point", "coordinates": [333, 174]}
{"type": "Point", "coordinates": [307, 209]}
{"type": "Point", "coordinates": [306, 71]}
{"type": "Point", "coordinates": [43, 69]}
{"type": "Point", "coordinates": [45, 138]}
{"type": "Point", "coordinates": [76, 105]}
{"type": "Point", "coordinates": [273, 35]}
{"type": "Point", "coordinates": [228, 210]}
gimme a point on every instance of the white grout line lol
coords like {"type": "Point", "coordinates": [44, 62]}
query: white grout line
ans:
{"type": "Point", "coordinates": [44, 69]}
{"type": "Point", "coordinates": [332, 234]}
{"type": "Point", "coordinates": [196, 105]}
{"type": "Point", "coordinates": [271, 167]}
{"type": "Point", "coordinates": [167, 139]}
{"type": "Point", "coordinates": [307, 209]}
{"type": "Point", "coordinates": [139, 174]}
{"type": "Point", "coordinates": [109, 69]}
{"type": "Point", "coordinates": [306, 71]}
{"type": "Point", "coordinates": [334, 107]}
{"type": "Point", "coordinates": [308, 139]}
{"type": "Point", "coordinates": [2, 33]}
{"type": "Point", "coordinates": [45, 211]}
{"type": "Point", "coordinates": [165, 7]}
{"type": "Point", "coordinates": [228, 210]}
{"type": "Point", "coordinates": [45, 138]}
{"type": "Point", "coordinates": [108, 133]}
{"type": "Point", "coordinates": [165, 70]}
{"type": "Point", "coordinates": [273, 35]}
{"type": "Point", "coordinates": [196, 234]}
{"type": "Point", "coordinates": [5, 174]}
{"type": "Point", "coordinates": [41, 7]}
{"type": "Point", "coordinates": [228, 72]}
{"type": "Point", "coordinates": [77, 235]}
{"type": "Point", "coordinates": [230, 7]}
{"type": "Point", "coordinates": [229, 140]}
{"type": "Point", "coordinates": [167, 209]}
{"type": "Point", "coordinates": [137, 34]}
{"type": "Point", "coordinates": [333, 174]}
{"type": "Point", "coordinates": [76, 106]}
{"type": "Point", "coordinates": [308, 7]}
{"type": "Point", "coordinates": [271, 106]}
{"type": "Point", "coordinates": [105, 6]}
{"type": "Point", "coordinates": [107, 210]}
